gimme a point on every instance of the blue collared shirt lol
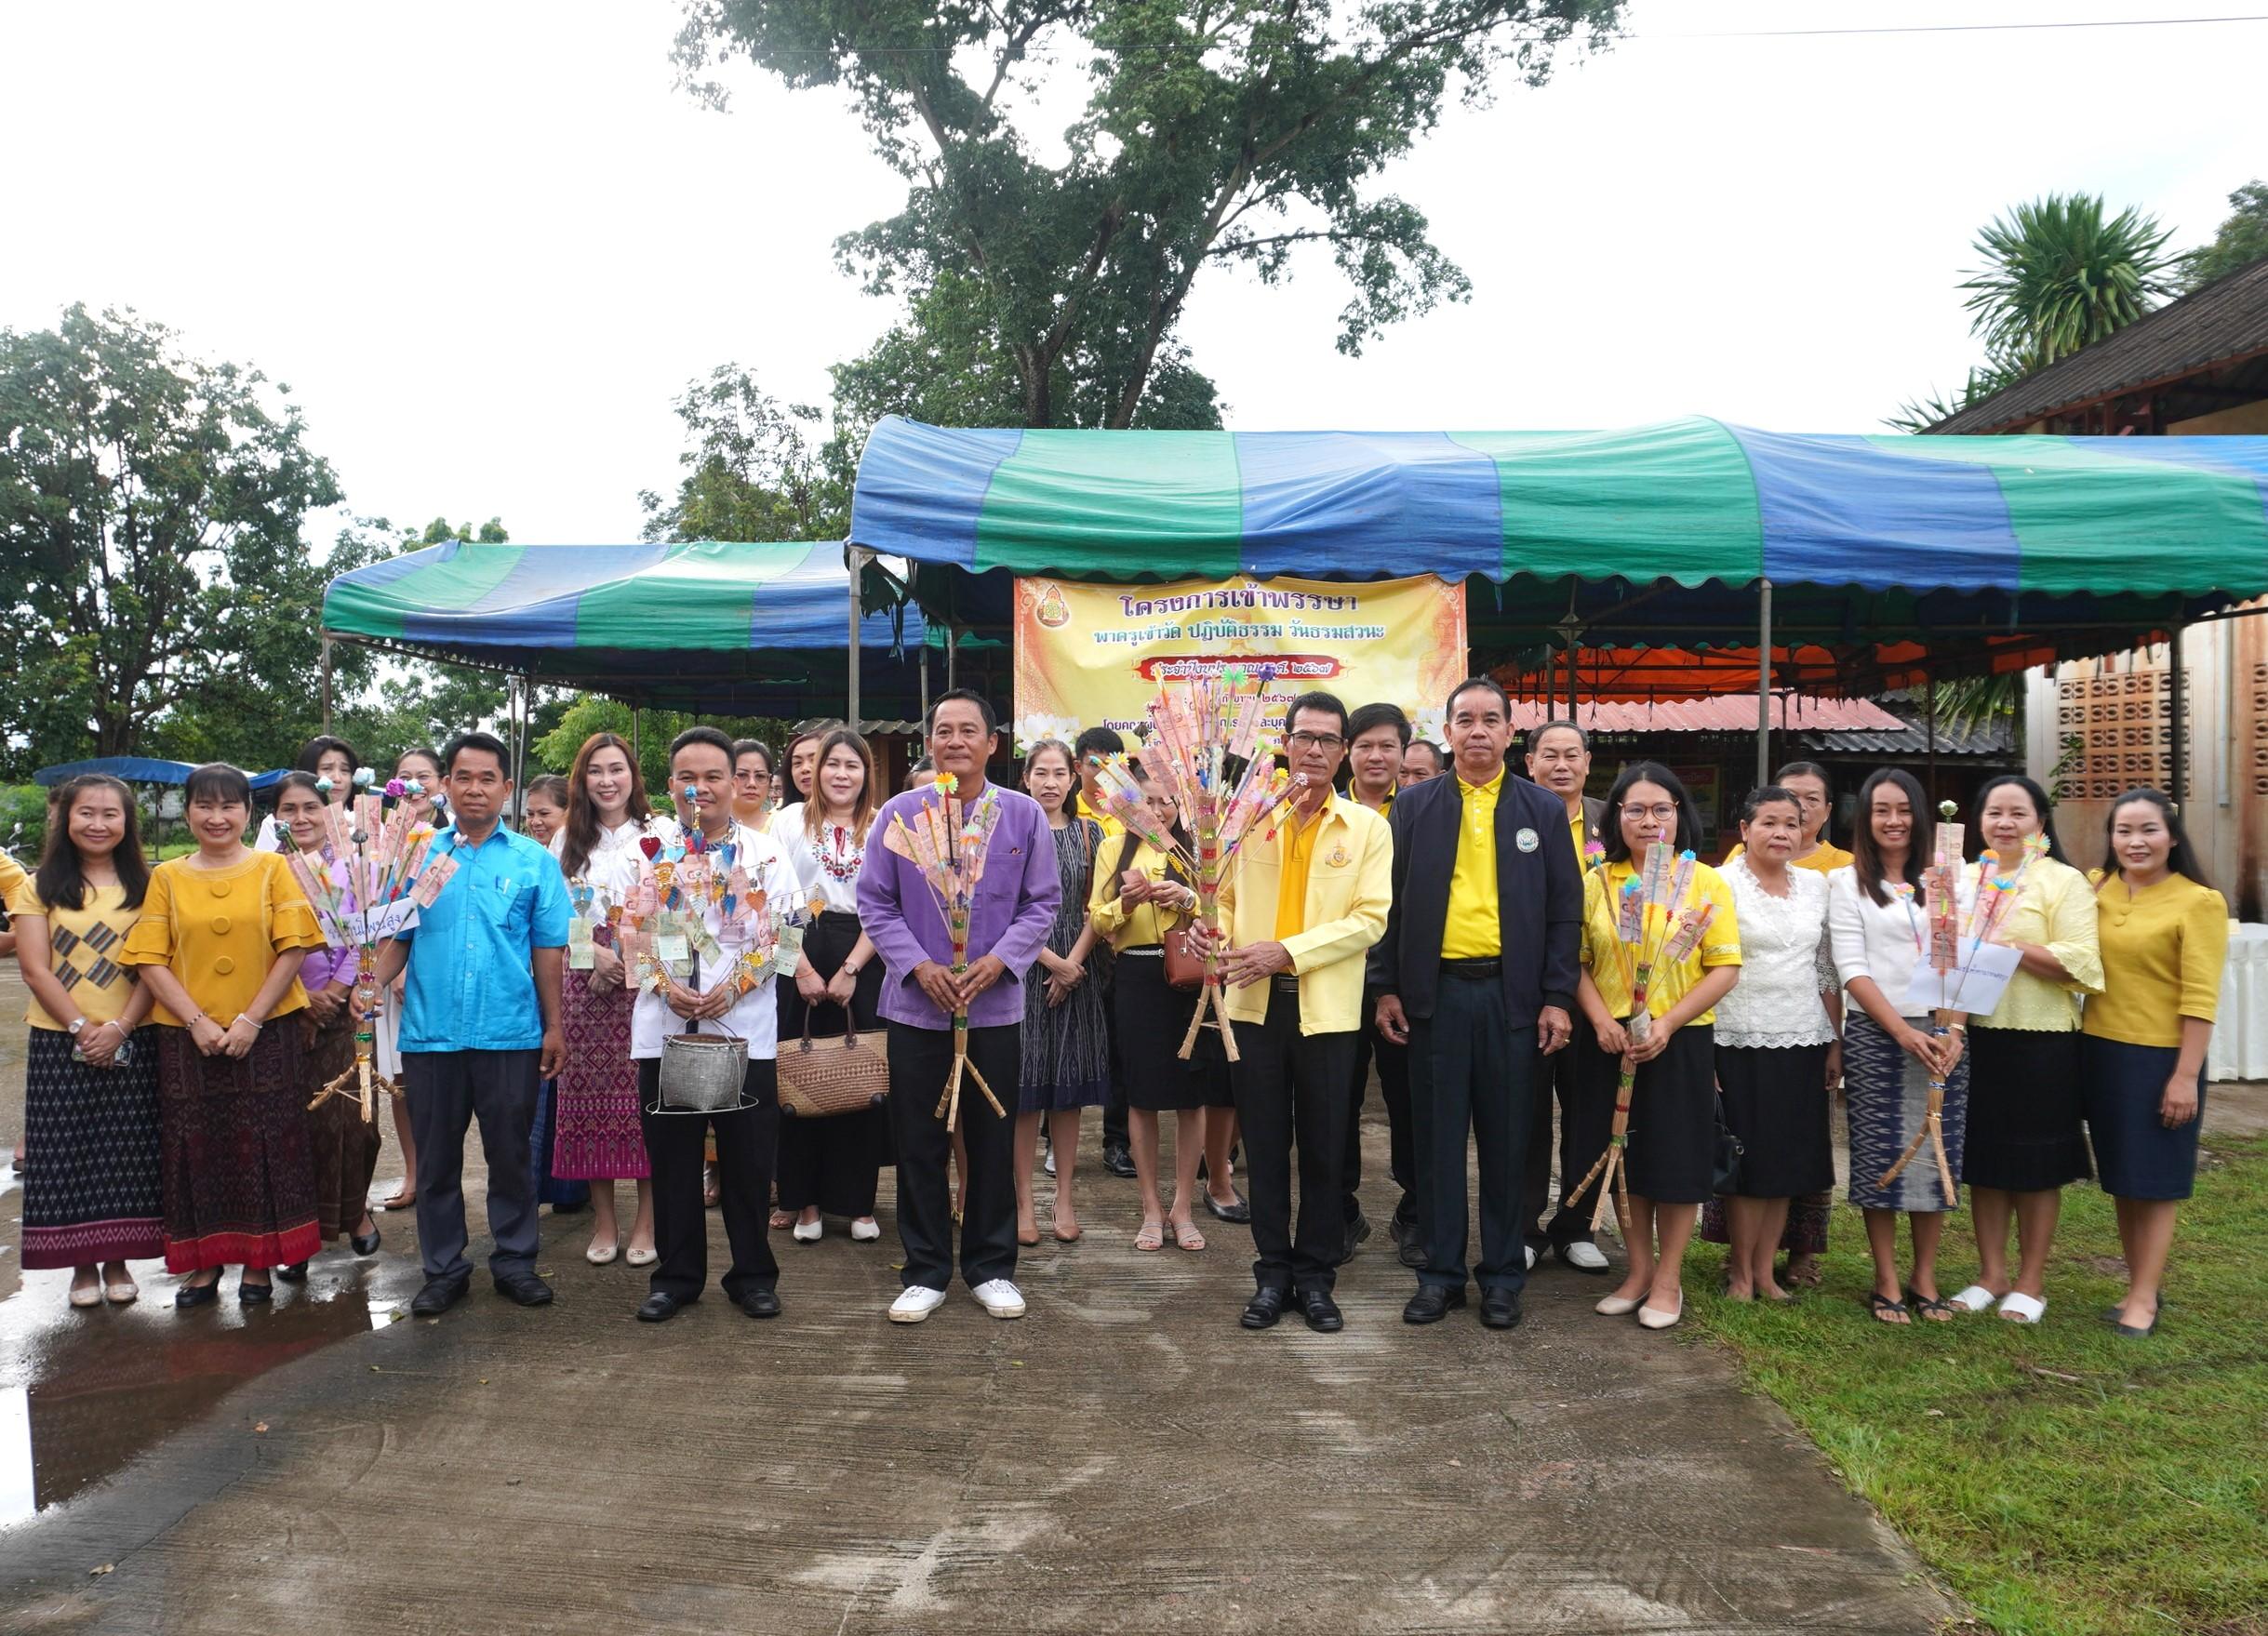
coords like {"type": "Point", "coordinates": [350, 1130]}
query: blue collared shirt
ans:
{"type": "Point", "coordinates": [471, 984]}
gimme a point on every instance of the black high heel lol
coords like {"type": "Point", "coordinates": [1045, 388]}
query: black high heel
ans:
{"type": "Point", "coordinates": [365, 1246]}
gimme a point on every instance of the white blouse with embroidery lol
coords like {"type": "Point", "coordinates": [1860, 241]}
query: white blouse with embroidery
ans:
{"type": "Point", "coordinates": [1785, 962]}
{"type": "Point", "coordinates": [827, 864]}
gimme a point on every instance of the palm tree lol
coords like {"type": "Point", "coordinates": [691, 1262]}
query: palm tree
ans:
{"type": "Point", "coordinates": [2059, 277]}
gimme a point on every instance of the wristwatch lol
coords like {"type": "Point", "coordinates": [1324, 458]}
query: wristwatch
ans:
{"type": "Point", "coordinates": [74, 1026]}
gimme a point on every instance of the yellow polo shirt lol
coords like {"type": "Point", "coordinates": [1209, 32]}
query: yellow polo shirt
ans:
{"type": "Point", "coordinates": [1112, 828]}
{"type": "Point", "coordinates": [1299, 854]}
{"type": "Point", "coordinates": [1474, 931]}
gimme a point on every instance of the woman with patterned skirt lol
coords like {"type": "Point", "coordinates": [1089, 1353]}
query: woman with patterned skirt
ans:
{"type": "Point", "coordinates": [1893, 1047]}
{"type": "Point", "coordinates": [342, 1143]}
{"type": "Point", "coordinates": [423, 769]}
{"type": "Point", "coordinates": [831, 1167]}
{"type": "Point", "coordinates": [222, 935]}
{"type": "Point", "coordinates": [94, 1201]}
{"type": "Point", "coordinates": [596, 1135]}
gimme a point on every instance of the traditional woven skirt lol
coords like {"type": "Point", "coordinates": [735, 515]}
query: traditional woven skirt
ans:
{"type": "Point", "coordinates": [1886, 1094]}
{"type": "Point", "coordinates": [2136, 1155]}
{"type": "Point", "coordinates": [239, 1180]}
{"type": "Point", "coordinates": [94, 1193]}
{"type": "Point", "coordinates": [834, 1164]}
{"type": "Point", "coordinates": [597, 1136]}
{"type": "Point", "coordinates": [2024, 1133]}
{"type": "Point", "coordinates": [1775, 1101]}
{"type": "Point", "coordinates": [343, 1145]}
{"type": "Point", "coordinates": [1805, 1233]}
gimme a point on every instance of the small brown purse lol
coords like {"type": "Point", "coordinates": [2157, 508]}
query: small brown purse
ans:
{"type": "Point", "coordinates": [1184, 965]}
{"type": "Point", "coordinates": [821, 1078]}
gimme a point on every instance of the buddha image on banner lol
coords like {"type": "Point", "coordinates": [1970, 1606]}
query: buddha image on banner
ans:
{"type": "Point", "coordinates": [1092, 656]}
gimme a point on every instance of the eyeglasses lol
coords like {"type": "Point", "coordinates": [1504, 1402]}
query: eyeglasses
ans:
{"type": "Point", "coordinates": [1314, 741]}
{"type": "Point", "coordinates": [1661, 814]}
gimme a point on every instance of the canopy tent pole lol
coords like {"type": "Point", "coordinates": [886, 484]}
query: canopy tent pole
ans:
{"type": "Point", "coordinates": [1764, 683]}
{"type": "Point", "coordinates": [327, 683]}
{"type": "Point", "coordinates": [858, 560]}
{"type": "Point", "coordinates": [637, 716]}
{"type": "Point", "coordinates": [2177, 751]}
{"type": "Point", "coordinates": [1929, 716]}
{"type": "Point", "coordinates": [953, 657]}
{"type": "Point", "coordinates": [925, 681]}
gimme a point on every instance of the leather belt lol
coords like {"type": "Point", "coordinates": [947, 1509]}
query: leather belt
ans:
{"type": "Point", "coordinates": [1474, 971]}
{"type": "Point", "coordinates": [1286, 982]}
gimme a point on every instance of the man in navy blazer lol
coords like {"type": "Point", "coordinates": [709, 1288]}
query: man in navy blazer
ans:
{"type": "Point", "coordinates": [1477, 972]}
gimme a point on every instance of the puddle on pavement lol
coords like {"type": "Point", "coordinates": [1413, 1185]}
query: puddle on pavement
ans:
{"type": "Point", "coordinates": [84, 1390]}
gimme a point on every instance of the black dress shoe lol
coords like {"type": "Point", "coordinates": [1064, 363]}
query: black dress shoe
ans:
{"type": "Point", "coordinates": [1358, 1232]}
{"type": "Point", "coordinates": [1265, 1307]}
{"type": "Point", "coordinates": [761, 1303]}
{"type": "Point", "coordinates": [438, 1296]}
{"type": "Point", "coordinates": [366, 1245]}
{"type": "Point", "coordinates": [525, 1288]}
{"type": "Point", "coordinates": [1241, 1210]}
{"type": "Point", "coordinates": [254, 1295]}
{"type": "Point", "coordinates": [295, 1274]}
{"type": "Point", "coordinates": [1323, 1315]}
{"type": "Point", "coordinates": [1500, 1309]}
{"type": "Point", "coordinates": [1118, 1159]}
{"type": "Point", "coordinates": [660, 1307]}
{"type": "Point", "coordinates": [196, 1295]}
{"type": "Point", "coordinates": [1433, 1303]}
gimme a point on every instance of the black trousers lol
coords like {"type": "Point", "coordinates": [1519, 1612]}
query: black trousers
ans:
{"type": "Point", "coordinates": [1115, 1133]}
{"type": "Point", "coordinates": [1394, 1087]}
{"type": "Point", "coordinates": [448, 1090]}
{"type": "Point", "coordinates": [747, 1143]}
{"type": "Point", "coordinates": [1564, 1083]}
{"type": "Point", "coordinates": [1471, 1069]}
{"type": "Point", "coordinates": [920, 1058]}
{"type": "Point", "coordinates": [1292, 1084]}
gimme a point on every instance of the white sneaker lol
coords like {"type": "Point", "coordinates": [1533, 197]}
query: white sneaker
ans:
{"type": "Point", "coordinates": [808, 1232]}
{"type": "Point", "coordinates": [1585, 1257]}
{"type": "Point", "coordinates": [916, 1302]}
{"type": "Point", "coordinates": [1051, 1161]}
{"type": "Point", "coordinates": [999, 1298]}
{"type": "Point", "coordinates": [867, 1231]}
{"type": "Point", "coordinates": [1531, 1257]}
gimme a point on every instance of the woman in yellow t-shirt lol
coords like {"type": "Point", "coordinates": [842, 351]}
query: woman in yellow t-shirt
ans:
{"type": "Point", "coordinates": [1670, 1155]}
{"type": "Point", "coordinates": [219, 943]}
{"type": "Point", "coordinates": [92, 1204]}
{"type": "Point", "coordinates": [2165, 936]}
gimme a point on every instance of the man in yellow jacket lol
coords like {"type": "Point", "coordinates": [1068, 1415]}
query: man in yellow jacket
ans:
{"type": "Point", "coordinates": [1299, 911]}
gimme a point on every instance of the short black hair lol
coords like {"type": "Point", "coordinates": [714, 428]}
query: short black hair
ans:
{"type": "Point", "coordinates": [551, 786]}
{"type": "Point", "coordinates": [960, 696]}
{"type": "Point", "coordinates": [1465, 686]}
{"type": "Point", "coordinates": [1804, 769]}
{"type": "Point", "coordinates": [1326, 702]}
{"type": "Point", "coordinates": [1441, 758]}
{"type": "Point", "coordinates": [322, 744]}
{"type": "Point", "coordinates": [298, 779]}
{"type": "Point", "coordinates": [215, 780]}
{"type": "Point", "coordinates": [1536, 733]}
{"type": "Point", "coordinates": [755, 747]}
{"type": "Point", "coordinates": [1106, 740]}
{"type": "Point", "coordinates": [487, 743]}
{"type": "Point", "coordinates": [714, 737]}
{"type": "Point", "coordinates": [1764, 795]}
{"type": "Point", "coordinates": [1368, 716]}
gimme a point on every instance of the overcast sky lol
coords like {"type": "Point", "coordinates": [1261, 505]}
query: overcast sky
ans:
{"type": "Point", "coordinates": [486, 245]}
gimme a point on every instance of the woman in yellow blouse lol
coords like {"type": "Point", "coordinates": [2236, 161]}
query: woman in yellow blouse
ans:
{"type": "Point", "coordinates": [1137, 897]}
{"type": "Point", "coordinates": [2165, 935]}
{"type": "Point", "coordinates": [90, 1097]}
{"type": "Point", "coordinates": [2025, 1142]}
{"type": "Point", "coordinates": [220, 942]}
{"type": "Point", "coordinates": [1671, 1156]}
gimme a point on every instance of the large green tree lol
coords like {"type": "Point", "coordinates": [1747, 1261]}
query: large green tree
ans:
{"type": "Point", "coordinates": [2242, 240]}
{"type": "Point", "coordinates": [150, 506]}
{"type": "Point", "coordinates": [1215, 133]}
{"type": "Point", "coordinates": [755, 468]}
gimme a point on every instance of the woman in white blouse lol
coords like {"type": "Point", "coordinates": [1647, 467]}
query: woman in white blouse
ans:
{"type": "Point", "coordinates": [832, 1165]}
{"type": "Point", "coordinates": [596, 1130]}
{"type": "Point", "coordinates": [1892, 1048]}
{"type": "Point", "coordinates": [1775, 1039]}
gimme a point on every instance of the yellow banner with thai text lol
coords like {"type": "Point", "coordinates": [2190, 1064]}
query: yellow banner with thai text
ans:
{"type": "Point", "coordinates": [1093, 654]}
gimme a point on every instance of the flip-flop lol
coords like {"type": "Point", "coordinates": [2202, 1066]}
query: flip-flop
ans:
{"type": "Point", "coordinates": [1187, 1237]}
{"type": "Point", "coordinates": [1151, 1237]}
{"type": "Point", "coordinates": [1881, 1306]}
{"type": "Point", "coordinates": [1934, 1307]}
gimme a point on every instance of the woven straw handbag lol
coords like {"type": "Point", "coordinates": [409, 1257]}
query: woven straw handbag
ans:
{"type": "Point", "coordinates": [820, 1078]}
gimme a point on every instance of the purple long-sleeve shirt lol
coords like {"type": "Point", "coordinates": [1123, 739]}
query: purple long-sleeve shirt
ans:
{"type": "Point", "coordinates": [1015, 906]}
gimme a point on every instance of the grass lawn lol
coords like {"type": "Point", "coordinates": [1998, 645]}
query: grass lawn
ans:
{"type": "Point", "coordinates": [2060, 1479]}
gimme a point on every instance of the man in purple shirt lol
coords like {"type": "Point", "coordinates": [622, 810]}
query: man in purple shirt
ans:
{"type": "Point", "coordinates": [1008, 924]}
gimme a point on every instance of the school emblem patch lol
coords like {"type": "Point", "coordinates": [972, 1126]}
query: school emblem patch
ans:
{"type": "Point", "coordinates": [1525, 841]}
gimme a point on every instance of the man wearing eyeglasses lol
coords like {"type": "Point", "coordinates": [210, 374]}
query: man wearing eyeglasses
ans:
{"type": "Point", "coordinates": [1477, 972]}
{"type": "Point", "coordinates": [1300, 910]}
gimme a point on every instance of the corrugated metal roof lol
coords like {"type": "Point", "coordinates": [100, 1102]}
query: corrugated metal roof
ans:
{"type": "Point", "coordinates": [1729, 713]}
{"type": "Point", "coordinates": [2226, 320]}
{"type": "Point", "coordinates": [1996, 738]}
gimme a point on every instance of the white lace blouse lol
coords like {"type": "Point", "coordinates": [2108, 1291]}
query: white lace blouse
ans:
{"type": "Point", "coordinates": [1785, 962]}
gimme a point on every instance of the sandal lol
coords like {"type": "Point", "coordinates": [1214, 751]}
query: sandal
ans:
{"type": "Point", "coordinates": [2018, 1308]}
{"type": "Point", "coordinates": [782, 1220]}
{"type": "Point", "coordinates": [1804, 1277]}
{"type": "Point", "coordinates": [1187, 1237]}
{"type": "Point", "coordinates": [1151, 1237]}
{"type": "Point", "coordinates": [1885, 1309]}
{"type": "Point", "coordinates": [1975, 1299]}
{"type": "Point", "coordinates": [1934, 1307]}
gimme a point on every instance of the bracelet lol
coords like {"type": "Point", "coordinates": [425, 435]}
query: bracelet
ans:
{"type": "Point", "coordinates": [247, 1017]}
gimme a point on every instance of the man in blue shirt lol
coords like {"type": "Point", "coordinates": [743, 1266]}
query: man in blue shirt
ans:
{"type": "Point", "coordinates": [480, 1026]}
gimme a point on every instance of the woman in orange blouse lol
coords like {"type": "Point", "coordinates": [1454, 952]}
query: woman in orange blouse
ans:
{"type": "Point", "coordinates": [222, 937]}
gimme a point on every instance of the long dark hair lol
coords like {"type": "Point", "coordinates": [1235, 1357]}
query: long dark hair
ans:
{"type": "Point", "coordinates": [2182, 859]}
{"type": "Point", "coordinates": [582, 831]}
{"type": "Point", "coordinates": [1644, 772]}
{"type": "Point", "coordinates": [863, 814]}
{"type": "Point", "coordinates": [1866, 856]}
{"type": "Point", "coordinates": [2037, 796]}
{"type": "Point", "coordinates": [61, 879]}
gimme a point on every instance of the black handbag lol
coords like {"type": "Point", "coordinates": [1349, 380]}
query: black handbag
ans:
{"type": "Point", "coordinates": [1724, 1156]}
